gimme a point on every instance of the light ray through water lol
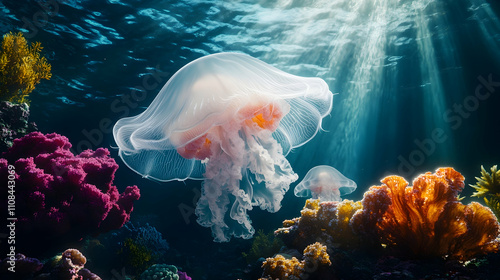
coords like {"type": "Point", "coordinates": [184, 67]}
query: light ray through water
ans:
{"type": "Point", "coordinates": [361, 48]}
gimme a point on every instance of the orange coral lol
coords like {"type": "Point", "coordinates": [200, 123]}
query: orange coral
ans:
{"type": "Point", "coordinates": [427, 219]}
{"type": "Point", "coordinates": [326, 222]}
{"type": "Point", "coordinates": [279, 267]}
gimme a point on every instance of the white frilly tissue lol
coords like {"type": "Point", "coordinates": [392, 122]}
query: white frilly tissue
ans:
{"type": "Point", "coordinates": [228, 119]}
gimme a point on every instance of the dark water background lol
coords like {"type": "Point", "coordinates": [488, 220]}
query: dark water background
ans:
{"type": "Point", "coordinates": [403, 69]}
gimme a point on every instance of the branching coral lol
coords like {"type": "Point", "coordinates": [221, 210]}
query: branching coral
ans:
{"type": "Point", "coordinates": [326, 222]}
{"type": "Point", "coordinates": [488, 183]}
{"type": "Point", "coordinates": [427, 219]}
{"type": "Point", "coordinates": [488, 187]}
{"type": "Point", "coordinates": [137, 256]}
{"type": "Point", "coordinates": [160, 272]}
{"type": "Point", "coordinates": [279, 267]}
{"type": "Point", "coordinates": [21, 68]}
{"type": "Point", "coordinates": [62, 197]}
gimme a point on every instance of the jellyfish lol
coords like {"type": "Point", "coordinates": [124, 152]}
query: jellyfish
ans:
{"type": "Point", "coordinates": [326, 183]}
{"type": "Point", "coordinates": [228, 119]}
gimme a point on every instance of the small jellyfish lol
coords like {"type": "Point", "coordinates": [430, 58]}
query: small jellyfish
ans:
{"type": "Point", "coordinates": [227, 119]}
{"type": "Point", "coordinates": [326, 183]}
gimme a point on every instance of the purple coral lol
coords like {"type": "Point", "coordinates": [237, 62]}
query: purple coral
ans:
{"type": "Point", "coordinates": [19, 266]}
{"type": "Point", "coordinates": [183, 275]}
{"type": "Point", "coordinates": [61, 196]}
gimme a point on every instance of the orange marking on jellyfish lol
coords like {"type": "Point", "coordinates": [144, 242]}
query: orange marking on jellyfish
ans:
{"type": "Point", "coordinates": [198, 148]}
{"type": "Point", "coordinates": [266, 117]}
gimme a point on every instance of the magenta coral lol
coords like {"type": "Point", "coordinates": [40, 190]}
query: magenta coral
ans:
{"type": "Point", "coordinates": [60, 195]}
{"type": "Point", "coordinates": [183, 275]}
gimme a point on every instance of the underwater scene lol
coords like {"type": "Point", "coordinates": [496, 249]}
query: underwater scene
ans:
{"type": "Point", "coordinates": [240, 139]}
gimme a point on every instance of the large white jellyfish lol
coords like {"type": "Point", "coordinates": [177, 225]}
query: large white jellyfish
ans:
{"type": "Point", "coordinates": [228, 119]}
{"type": "Point", "coordinates": [325, 183]}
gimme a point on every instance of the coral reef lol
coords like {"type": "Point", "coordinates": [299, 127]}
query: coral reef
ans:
{"type": "Point", "coordinates": [160, 272]}
{"type": "Point", "coordinates": [424, 224]}
{"type": "Point", "coordinates": [148, 237]}
{"type": "Point", "coordinates": [136, 256]}
{"type": "Point", "coordinates": [19, 267]}
{"type": "Point", "coordinates": [263, 245]}
{"type": "Point", "coordinates": [488, 187]}
{"type": "Point", "coordinates": [427, 219]}
{"type": "Point", "coordinates": [13, 123]}
{"type": "Point", "coordinates": [133, 246]}
{"type": "Point", "coordinates": [68, 265]}
{"type": "Point", "coordinates": [21, 68]}
{"type": "Point", "coordinates": [141, 246]}
{"type": "Point", "coordinates": [62, 197]}
{"type": "Point", "coordinates": [326, 222]}
{"type": "Point", "coordinates": [279, 267]}
{"type": "Point", "coordinates": [183, 275]}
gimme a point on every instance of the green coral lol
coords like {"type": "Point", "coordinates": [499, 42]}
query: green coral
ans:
{"type": "Point", "coordinates": [21, 68]}
{"type": "Point", "coordinates": [263, 245]}
{"type": "Point", "coordinates": [136, 256]}
{"type": "Point", "coordinates": [160, 272]}
{"type": "Point", "coordinates": [488, 187]}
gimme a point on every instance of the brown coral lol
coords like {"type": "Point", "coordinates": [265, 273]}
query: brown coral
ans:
{"type": "Point", "coordinates": [279, 267]}
{"type": "Point", "coordinates": [427, 219]}
{"type": "Point", "coordinates": [73, 260]}
{"type": "Point", "coordinates": [21, 68]}
{"type": "Point", "coordinates": [326, 222]}
{"type": "Point", "coordinates": [70, 265]}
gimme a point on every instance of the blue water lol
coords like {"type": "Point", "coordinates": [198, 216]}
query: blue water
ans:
{"type": "Point", "coordinates": [417, 81]}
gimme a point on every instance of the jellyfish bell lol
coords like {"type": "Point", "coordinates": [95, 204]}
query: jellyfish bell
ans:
{"type": "Point", "coordinates": [228, 119]}
{"type": "Point", "coordinates": [325, 183]}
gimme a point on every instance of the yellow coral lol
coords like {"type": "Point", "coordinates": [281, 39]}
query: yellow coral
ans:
{"type": "Point", "coordinates": [336, 218]}
{"type": "Point", "coordinates": [494, 203]}
{"type": "Point", "coordinates": [21, 68]}
{"type": "Point", "coordinates": [487, 184]}
{"type": "Point", "coordinates": [316, 255]}
{"type": "Point", "coordinates": [279, 267]}
{"type": "Point", "coordinates": [488, 187]}
{"type": "Point", "coordinates": [327, 222]}
{"type": "Point", "coordinates": [137, 256]}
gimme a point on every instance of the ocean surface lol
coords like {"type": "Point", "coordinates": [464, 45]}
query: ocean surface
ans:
{"type": "Point", "coordinates": [417, 86]}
